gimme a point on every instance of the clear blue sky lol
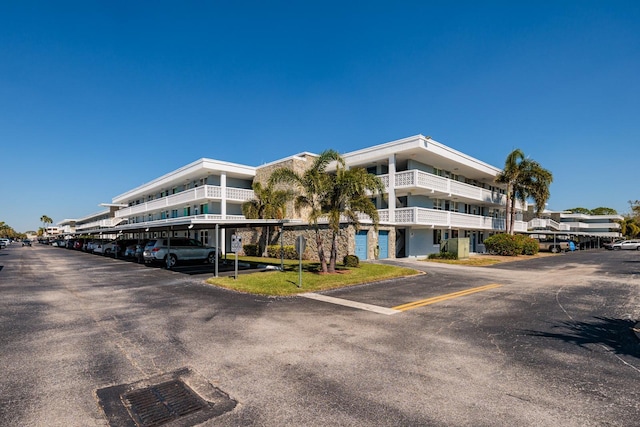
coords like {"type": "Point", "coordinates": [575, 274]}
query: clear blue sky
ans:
{"type": "Point", "coordinates": [98, 97]}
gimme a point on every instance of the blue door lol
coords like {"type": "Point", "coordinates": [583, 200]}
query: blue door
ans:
{"type": "Point", "coordinates": [361, 244]}
{"type": "Point", "coordinates": [383, 243]}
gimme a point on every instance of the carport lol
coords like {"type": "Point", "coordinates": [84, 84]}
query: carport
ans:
{"type": "Point", "coordinates": [192, 224]}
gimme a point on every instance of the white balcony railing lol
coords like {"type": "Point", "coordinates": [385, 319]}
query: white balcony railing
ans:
{"type": "Point", "coordinates": [168, 221]}
{"type": "Point", "coordinates": [193, 195]}
{"type": "Point", "coordinates": [591, 225]}
{"type": "Point", "coordinates": [104, 223]}
{"type": "Point", "coordinates": [438, 218]}
{"type": "Point", "coordinates": [420, 180]}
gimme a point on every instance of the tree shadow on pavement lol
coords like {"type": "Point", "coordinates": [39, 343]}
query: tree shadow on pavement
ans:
{"type": "Point", "coordinates": [617, 334]}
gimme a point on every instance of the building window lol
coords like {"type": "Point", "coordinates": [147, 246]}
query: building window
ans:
{"type": "Point", "coordinates": [437, 237]}
{"type": "Point", "coordinates": [187, 211]}
{"type": "Point", "coordinates": [174, 213]}
{"type": "Point", "coordinates": [204, 208]}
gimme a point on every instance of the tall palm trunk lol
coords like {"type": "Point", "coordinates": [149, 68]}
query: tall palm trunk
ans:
{"type": "Point", "coordinates": [512, 219]}
{"type": "Point", "coordinates": [507, 221]}
{"type": "Point", "coordinates": [334, 253]}
{"type": "Point", "coordinates": [323, 261]}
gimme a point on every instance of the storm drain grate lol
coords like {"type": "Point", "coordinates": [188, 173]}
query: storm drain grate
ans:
{"type": "Point", "coordinates": [162, 403]}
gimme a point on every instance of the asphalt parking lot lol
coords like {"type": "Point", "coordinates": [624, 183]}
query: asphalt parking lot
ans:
{"type": "Point", "coordinates": [539, 342]}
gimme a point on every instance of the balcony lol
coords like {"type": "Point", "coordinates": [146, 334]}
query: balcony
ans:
{"type": "Point", "coordinates": [181, 219]}
{"type": "Point", "coordinates": [192, 196]}
{"type": "Point", "coordinates": [421, 182]}
{"type": "Point", "coordinates": [443, 219]}
{"type": "Point", "coordinates": [547, 224]}
{"type": "Point", "coordinates": [104, 223]}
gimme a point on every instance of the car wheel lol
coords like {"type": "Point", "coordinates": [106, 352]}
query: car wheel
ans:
{"type": "Point", "coordinates": [616, 248]}
{"type": "Point", "coordinates": [211, 259]}
{"type": "Point", "coordinates": [170, 260]}
{"type": "Point", "coordinates": [107, 252]}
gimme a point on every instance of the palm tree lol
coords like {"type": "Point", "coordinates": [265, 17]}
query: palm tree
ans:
{"type": "Point", "coordinates": [509, 176]}
{"type": "Point", "coordinates": [45, 220]}
{"type": "Point", "coordinates": [629, 227]}
{"type": "Point", "coordinates": [313, 187]}
{"type": "Point", "coordinates": [525, 179]}
{"type": "Point", "coordinates": [334, 196]}
{"type": "Point", "coordinates": [268, 203]}
{"type": "Point", "coordinates": [533, 183]}
{"type": "Point", "coordinates": [350, 192]}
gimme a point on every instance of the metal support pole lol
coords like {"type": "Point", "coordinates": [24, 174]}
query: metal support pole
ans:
{"type": "Point", "coordinates": [215, 274]}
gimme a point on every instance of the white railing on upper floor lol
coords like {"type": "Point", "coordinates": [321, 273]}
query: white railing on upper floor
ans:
{"type": "Point", "coordinates": [438, 218]}
{"type": "Point", "coordinates": [104, 223]}
{"type": "Point", "coordinates": [169, 221]}
{"type": "Point", "coordinates": [193, 195]}
{"type": "Point", "coordinates": [437, 184]}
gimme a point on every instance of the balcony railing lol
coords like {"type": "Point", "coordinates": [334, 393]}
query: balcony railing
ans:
{"type": "Point", "coordinates": [545, 223]}
{"type": "Point", "coordinates": [591, 225]}
{"type": "Point", "coordinates": [104, 223]}
{"type": "Point", "coordinates": [438, 218]}
{"type": "Point", "coordinates": [420, 180]}
{"type": "Point", "coordinates": [193, 195]}
{"type": "Point", "coordinates": [169, 221]}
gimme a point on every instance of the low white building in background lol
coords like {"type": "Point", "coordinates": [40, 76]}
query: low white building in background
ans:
{"type": "Point", "coordinates": [579, 225]}
{"type": "Point", "coordinates": [432, 192]}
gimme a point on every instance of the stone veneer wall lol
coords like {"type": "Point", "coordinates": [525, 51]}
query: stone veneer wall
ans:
{"type": "Point", "coordinates": [299, 164]}
{"type": "Point", "coordinates": [346, 239]}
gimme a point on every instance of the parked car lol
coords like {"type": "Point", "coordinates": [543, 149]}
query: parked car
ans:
{"type": "Point", "coordinates": [609, 245]}
{"type": "Point", "coordinates": [4, 243]}
{"type": "Point", "coordinates": [98, 247]}
{"type": "Point", "coordinates": [135, 250]}
{"type": "Point", "coordinates": [554, 246]}
{"type": "Point", "coordinates": [78, 244]}
{"type": "Point", "coordinates": [26, 242]}
{"type": "Point", "coordinates": [109, 248]}
{"type": "Point", "coordinates": [172, 251]}
{"type": "Point", "coordinates": [627, 244]}
{"type": "Point", "coordinates": [91, 244]}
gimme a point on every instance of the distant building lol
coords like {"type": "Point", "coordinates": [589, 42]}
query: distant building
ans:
{"type": "Point", "coordinates": [579, 225]}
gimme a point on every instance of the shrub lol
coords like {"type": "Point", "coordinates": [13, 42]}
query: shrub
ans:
{"type": "Point", "coordinates": [351, 261]}
{"type": "Point", "coordinates": [443, 255]}
{"type": "Point", "coordinates": [250, 250]}
{"type": "Point", "coordinates": [503, 244]}
{"type": "Point", "coordinates": [289, 252]}
{"type": "Point", "coordinates": [529, 245]}
{"type": "Point", "coordinates": [506, 244]}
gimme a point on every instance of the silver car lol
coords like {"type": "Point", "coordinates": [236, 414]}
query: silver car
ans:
{"type": "Point", "coordinates": [177, 249]}
{"type": "Point", "coordinates": [627, 244]}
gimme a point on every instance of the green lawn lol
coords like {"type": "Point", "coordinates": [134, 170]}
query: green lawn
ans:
{"type": "Point", "coordinates": [282, 283]}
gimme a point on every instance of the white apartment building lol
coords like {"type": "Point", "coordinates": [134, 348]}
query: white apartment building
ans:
{"type": "Point", "coordinates": [577, 224]}
{"type": "Point", "coordinates": [433, 192]}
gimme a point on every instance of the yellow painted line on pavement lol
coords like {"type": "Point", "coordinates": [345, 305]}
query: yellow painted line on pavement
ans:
{"type": "Point", "coordinates": [440, 298]}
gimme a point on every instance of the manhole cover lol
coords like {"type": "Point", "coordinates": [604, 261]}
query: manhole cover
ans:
{"type": "Point", "coordinates": [159, 404]}
{"type": "Point", "coordinates": [178, 399]}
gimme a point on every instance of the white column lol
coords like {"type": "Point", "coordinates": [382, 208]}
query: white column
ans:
{"type": "Point", "coordinates": [223, 187]}
{"type": "Point", "coordinates": [392, 188]}
{"type": "Point", "coordinates": [223, 208]}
